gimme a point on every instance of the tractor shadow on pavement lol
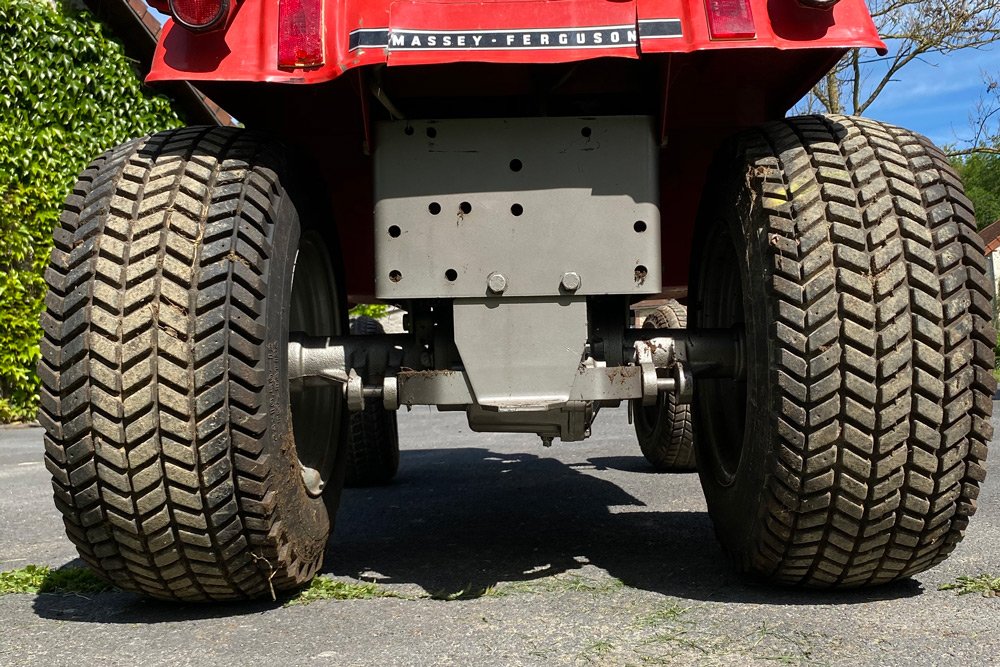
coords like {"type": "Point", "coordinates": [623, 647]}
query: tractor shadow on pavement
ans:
{"type": "Point", "coordinates": [461, 522]}
{"type": "Point", "coordinates": [120, 607]}
{"type": "Point", "coordinates": [458, 522]}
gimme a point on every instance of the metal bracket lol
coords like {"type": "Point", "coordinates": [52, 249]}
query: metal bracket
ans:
{"type": "Point", "coordinates": [521, 354]}
{"type": "Point", "coordinates": [355, 392]}
{"type": "Point", "coordinates": [519, 403]}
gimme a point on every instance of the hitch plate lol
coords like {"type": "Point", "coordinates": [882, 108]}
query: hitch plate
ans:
{"type": "Point", "coordinates": [546, 206]}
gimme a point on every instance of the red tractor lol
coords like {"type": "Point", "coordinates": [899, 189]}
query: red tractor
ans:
{"type": "Point", "coordinates": [516, 175]}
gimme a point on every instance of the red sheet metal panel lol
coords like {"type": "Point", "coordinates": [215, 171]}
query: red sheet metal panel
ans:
{"type": "Point", "coordinates": [421, 32]}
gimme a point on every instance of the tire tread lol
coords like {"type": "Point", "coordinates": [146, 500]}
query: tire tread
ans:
{"type": "Point", "coordinates": [153, 369]}
{"type": "Point", "coordinates": [882, 352]}
{"type": "Point", "coordinates": [373, 435]}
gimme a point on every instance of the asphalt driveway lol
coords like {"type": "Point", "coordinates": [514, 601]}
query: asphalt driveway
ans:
{"type": "Point", "coordinates": [576, 554]}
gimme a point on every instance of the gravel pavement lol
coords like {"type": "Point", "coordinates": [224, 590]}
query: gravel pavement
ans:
{"type": "Point", "coordinates": [575, 554]}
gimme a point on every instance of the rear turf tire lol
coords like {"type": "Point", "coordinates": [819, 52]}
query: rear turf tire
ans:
{"type": "Point", "coordinates": [665, 430]}
{"type": "Point", "coordinates": [164, 372]}
{"type": "Point", "coordinates": [373, 434]}
{"type": "Point", "coordinates": [853, 452]}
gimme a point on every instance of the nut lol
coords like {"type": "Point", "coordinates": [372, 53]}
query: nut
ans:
{"type": "Point", "coordinates": [496, 283]}
{"type": "Point", "coordinates": [571, 281]}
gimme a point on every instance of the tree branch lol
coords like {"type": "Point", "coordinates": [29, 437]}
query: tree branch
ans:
{"type": "Point", "coordinates": [856, 66]}
{"type": "Point", "coordinates": [916, 28]}
{"type": "Point", "coordinates": [977, 150]}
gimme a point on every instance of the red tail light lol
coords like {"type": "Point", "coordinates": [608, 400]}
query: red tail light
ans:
{"type": "Point", "coordinates": [730, 19]}
{"type": "Point", "coordinates": [300, 33]}
{"type": "Point", "coordinates": [200, 15]}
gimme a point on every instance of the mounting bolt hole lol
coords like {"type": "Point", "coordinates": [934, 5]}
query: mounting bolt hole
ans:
{"type": "Point", "coordinates": [516, 165]}
{"type": "Point", "coordinates": [408, 130]}
{"type": "Point", "coordinates": [465, 207]}
{"type": "Point", "coordinates": [586, 131]}
{"type": "Point", "coordinates": [516, 209]}
{"type": "Point", "coordinates": [451, 275]}
{"type": "Point", "coordinates": [395, 276]}
{"type": "Point", "coordinates": [434, 208]}
{"type": "Point", "coordinates": [395, 231]}
{"type": "Point", "coordinates": [639, 227]}
{"type": "Point", "coordinates": [431, 132]}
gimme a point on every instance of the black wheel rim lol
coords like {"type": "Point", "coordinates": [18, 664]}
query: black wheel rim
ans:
{"type": "Point", "coordinates": [721, 403]}
{"type": "Point", "coordinates": [315, 310]}
{"type": "Point", "coordinates": [648, 416]}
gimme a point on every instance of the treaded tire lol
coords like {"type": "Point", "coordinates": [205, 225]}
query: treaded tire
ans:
{"type": "Point", "coordinates": [665, 430]}
{"type": "Point", "coordinates": [164, 372]}
{"type": "Point", "coordinates": [373, 434]}
{"type": "Point", "coordinates": [853, 453]}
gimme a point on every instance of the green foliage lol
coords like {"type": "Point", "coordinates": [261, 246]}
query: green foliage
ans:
{"type": "Point", "coordinates": [375, 310]}
{"type": "Point", "coordinates": [986, 585]}
{"type": "Point", "coordinates": [23, 580]}
{"type": "Point", "coordinates": [324, 588]}
{"type": "Point", "coordinates": [981, 175]}
{"type": "Point", "coordinates": [67, 93]}
{"type": "Point", "coordinates": [560, 583]}
{"type": "Point", "coordinates": [42, 579]}
{"type": "Point", "coordinates": [996, 353]}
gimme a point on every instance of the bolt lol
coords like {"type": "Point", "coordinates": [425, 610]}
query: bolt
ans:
{"type": "Point", "coordinates": [496, 283]}
{"type": "Point", "coordinates": [571, 281]}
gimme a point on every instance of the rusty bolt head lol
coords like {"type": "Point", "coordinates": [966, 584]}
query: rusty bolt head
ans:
{"type": "Point", "coordinates": [571, 281]}
{"type": "Point", "coordinates": [496, 283]}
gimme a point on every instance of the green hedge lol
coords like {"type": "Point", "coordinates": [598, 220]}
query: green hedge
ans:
{"type": "Point", "coordinates": [981, 176]}
{"type": "Point", "coordinates": [67, 93]}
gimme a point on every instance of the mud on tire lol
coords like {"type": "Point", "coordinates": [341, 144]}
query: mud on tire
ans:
{"type": "Point", "coordinates": [164, 391]}
{"type": "Point", "coordinates": [854, 451]}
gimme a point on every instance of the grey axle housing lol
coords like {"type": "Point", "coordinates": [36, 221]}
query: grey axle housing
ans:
{"type": "Point", "coordinates": [496, 230]}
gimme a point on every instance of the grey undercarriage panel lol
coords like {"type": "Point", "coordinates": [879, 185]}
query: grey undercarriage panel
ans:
{"type": "Point", "coordinates": [514, 225]}
{"type": "Point", "coordinates": [530, 200]}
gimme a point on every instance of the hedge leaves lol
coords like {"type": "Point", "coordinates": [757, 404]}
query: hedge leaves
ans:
{"type": "Point", "coordinates": [67, 93]}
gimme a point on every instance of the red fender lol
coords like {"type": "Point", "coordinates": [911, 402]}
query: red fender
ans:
{"type": "Point", "coordinates": [421, 32]}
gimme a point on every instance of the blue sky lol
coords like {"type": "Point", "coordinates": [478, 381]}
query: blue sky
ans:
{"type": "Point", "coordinates": [936, 96]}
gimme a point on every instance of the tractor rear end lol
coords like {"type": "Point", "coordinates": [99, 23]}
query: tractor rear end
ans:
{"type": "Point", "coordinates": [518, 177]}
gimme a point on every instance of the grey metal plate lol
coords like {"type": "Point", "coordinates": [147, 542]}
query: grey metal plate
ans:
{"type": "Point", "coordinates": [532, 199]}
{"type": "Point", "coordinates": [447, 388]}
{"type": "Point", "coordinates": [521, 354]}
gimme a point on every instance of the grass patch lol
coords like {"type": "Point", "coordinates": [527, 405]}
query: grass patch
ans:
{"type": "Point", "coordinates": [986, 585]}
{"type": "Point", "coordinates": [324, 588]}
{"type": "Point", "coordinates": [671, 633]}
{"type": "Point", "coordinates": [759, 643]}
{"type": "Point", "coordinates": [23, 580]}
{"type": "Point", "coordinates": [557, 584]}
{"type": "Point", "coordinates": [597, 650]}
{"type": "Point", "coordinates": [43, 579]}
{"type": "Point", "coordinates": [662, 615]}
